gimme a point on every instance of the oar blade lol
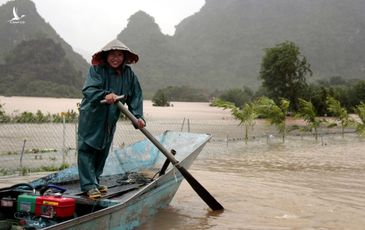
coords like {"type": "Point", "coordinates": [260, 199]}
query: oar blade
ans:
{"type": "Point", "coordinates": [200, 190]}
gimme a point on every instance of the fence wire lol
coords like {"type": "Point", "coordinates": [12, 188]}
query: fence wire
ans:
{"type": "Point", "coordinates": [50, 146]}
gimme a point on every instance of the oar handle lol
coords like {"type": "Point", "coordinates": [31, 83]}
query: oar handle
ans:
{"type": "Point", "coordinates": [160, 147]}
{"type": "Point", "coordinates": [117, 99]}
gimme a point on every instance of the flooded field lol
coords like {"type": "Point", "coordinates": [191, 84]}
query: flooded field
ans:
{"type": "Point", "coordinates": [179, 110]}
{"type": "Point", "coordinates": [265, 184]}
{"type": "Point", "coordinates": [300, 184]}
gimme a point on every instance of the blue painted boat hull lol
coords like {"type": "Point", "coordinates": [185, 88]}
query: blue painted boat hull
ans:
{"type": "Point", "coordinates": [131, 209]}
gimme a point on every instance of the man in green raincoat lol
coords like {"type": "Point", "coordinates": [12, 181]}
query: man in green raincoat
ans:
{"type": "Point", "coordinates": [109, 76]}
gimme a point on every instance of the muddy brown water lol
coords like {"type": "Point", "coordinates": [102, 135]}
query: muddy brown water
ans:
{"type": "Point", "coordinates": [178, 110]}
{"type": "Point", "coordinates": [265, 184]}
{"type": "Point", "coordinates": [299, 184]}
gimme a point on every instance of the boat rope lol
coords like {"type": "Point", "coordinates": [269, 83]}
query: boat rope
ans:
{"type": "Point", "coordinates": [133, 178]}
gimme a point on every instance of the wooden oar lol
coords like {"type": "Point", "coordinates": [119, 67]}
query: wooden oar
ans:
{"type": "Point", "coordinates": [202, 192]}
{"type": "Point", "coordinates": [166, 164]}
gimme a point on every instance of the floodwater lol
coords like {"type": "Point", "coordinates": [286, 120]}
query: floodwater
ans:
{"type": "Point", "coordinates": [179, 110]}
{"type": "Point", "coordinates": [299, 184]}
{"type": "Point", "coordinates": [265, 184]}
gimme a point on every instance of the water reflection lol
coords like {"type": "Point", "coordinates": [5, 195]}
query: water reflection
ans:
{"type": "Point", "coordinates": [299, 184]}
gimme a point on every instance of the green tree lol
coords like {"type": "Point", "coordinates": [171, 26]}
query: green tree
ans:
{"type": "Point", "coordinates": [238, 96]}
{"type": "Point", "coordinates": [183, 93]}
{"type": "Point", "coordinates": [360, 111]}
{"type": "Point", "coordinates": [160, 98]}
{"type": "Point", "coordinates": [284, 71]}
{"type": "Point", "coordinates": [317, 95]}
{"type": "Point", "coordinates": [359, 93]}
{"type": "Point", "coordinates": [334, 106]}
{"type": "Point", "coordinates": [276, 114]}
{"type": "Point", "coordinates": [3, 117]}
{"type": "Point", "coordinates": [308, 112]}
{"type": "Point", "coordinates": [246, 115]}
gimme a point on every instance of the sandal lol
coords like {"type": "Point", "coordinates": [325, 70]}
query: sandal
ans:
{"type": "Point", "coordinates": [103, 188]}
{"type": "Point", "coordinates": [93, 193]}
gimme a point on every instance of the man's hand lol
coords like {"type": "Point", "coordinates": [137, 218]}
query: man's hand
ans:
{"type": "Point", "coordinates": [140, 124]}
{"type": "Point", "coordinates": [111, 98]}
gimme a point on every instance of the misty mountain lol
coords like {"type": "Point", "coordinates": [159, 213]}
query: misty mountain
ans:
{"type": "Point", "coordinates": [154, 50]}
{"type": "Point", "coordinates": [219, 47]}
{"type": "Point", "coordinates": [39, 67]}
{"type": "Point", "coordinates": [34, 28]}
{"type": "Point", "coordinates": [222, 45]}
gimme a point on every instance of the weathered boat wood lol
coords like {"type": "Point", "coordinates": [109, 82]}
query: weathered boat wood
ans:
{"type": "Point", "coordinates": [128, 204]}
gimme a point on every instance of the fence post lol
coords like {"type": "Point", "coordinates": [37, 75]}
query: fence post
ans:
{"type": "Point", "coordinates": [63, 140]}
{"type": "Point", "coordinates": [182, 125]}
{"type": "Point", "coordinates": [21, 158]}
{"type": "Point", "coordinates": [188, 125]}
{"type": "Point", "coordinates": [76, 139]}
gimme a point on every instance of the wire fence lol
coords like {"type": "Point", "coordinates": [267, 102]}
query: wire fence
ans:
{"type": "Point", "coordinates": [28, 147]}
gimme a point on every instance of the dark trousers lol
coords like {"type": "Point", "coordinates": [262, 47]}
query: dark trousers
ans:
{"type": "Point", "coordinates": [91, 163]}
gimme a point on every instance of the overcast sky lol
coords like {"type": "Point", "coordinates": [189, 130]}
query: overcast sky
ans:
{"type": "Point", "coordinates": [90, 24]}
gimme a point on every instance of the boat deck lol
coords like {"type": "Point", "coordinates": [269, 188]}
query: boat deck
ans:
{"type": "Point", "coordinates": [118, 186]}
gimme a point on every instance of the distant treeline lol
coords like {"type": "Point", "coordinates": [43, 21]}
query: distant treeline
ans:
{"type": "Point", "coordinates": [38, 117]}
{"type": "Point", "coordinates": [348, 92]}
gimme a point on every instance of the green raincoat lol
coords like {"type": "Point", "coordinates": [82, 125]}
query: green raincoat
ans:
{"type": "Point", "coordinates": [97, 121]}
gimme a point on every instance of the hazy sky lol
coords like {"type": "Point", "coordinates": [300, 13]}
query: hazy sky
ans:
{"type": "Point", "coordinates": [90, 24]}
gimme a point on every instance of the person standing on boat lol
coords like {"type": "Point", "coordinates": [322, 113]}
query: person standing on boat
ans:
{"type": "Point", "coordinates": [110, 75]}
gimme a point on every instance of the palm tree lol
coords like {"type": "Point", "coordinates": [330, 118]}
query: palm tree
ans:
{"type": "Point", "coordinates": [246, 115]}
{"type": "Point", "coordinates": [308, 113]}
{"type": "Point", "coordinates": [360, 111]}
{"type": "Point", "coordinates": [334, 106]}
{"type": "Point", "coordinates": [276, 114]}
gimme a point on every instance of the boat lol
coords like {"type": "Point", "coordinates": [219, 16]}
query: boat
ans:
{"type": "Point", "coordinates": [140, 180]}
